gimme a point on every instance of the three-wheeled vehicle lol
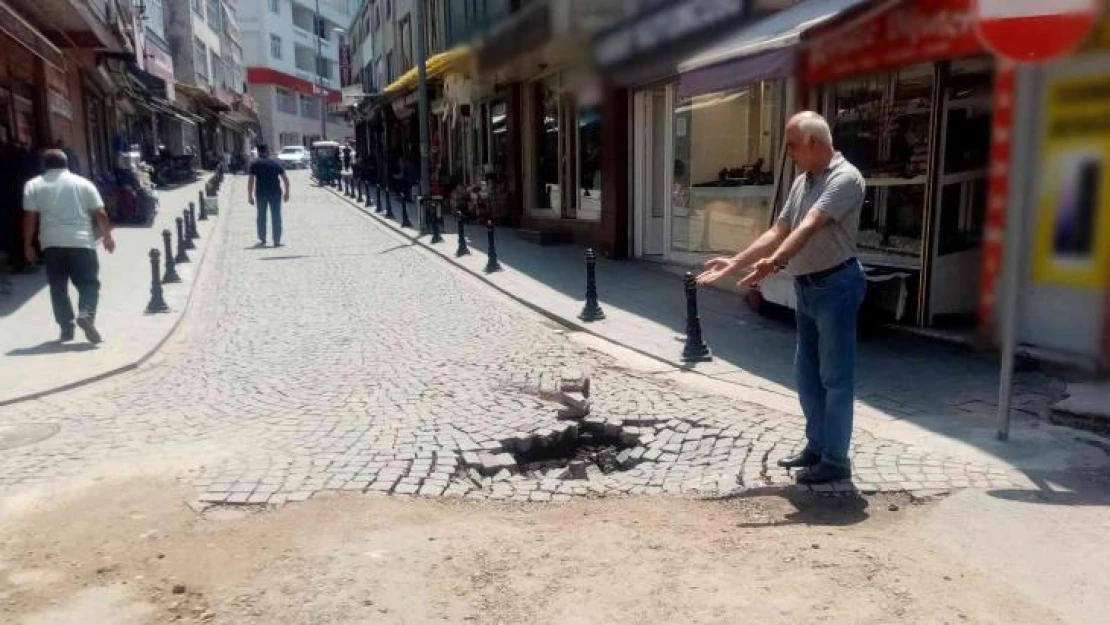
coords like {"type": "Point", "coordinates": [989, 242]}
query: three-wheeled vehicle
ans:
{"type": "Point", "coordinates": [326, 164]}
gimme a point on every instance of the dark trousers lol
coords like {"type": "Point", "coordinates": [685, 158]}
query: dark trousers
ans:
{"type": "Point", "coordinates": [271, 204]}
{"type": "Point", "coordinates": [80, 266]}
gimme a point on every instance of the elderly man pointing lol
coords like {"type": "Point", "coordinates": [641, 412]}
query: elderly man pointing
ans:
{"type": "Point", "coordinates": [813, 241]}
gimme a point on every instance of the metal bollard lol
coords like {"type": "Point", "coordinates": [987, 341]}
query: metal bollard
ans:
{"type": "Point", "coordinates": [405, 222]}
{"type": "Point", "coordinates": [492, 263]}
{"type": "Point", "coordinates": [358, 190]}
{"type": "Point", "coordinates": [181, 257]}
{"type": "Point", "coordinates": [463, 249]}
{"type": "Point", "coordinates": [591, 311]}
{"type": "Point", "coordinates": [388, 202]}
{"type": "Point", "coordinates": [437, 229]}
{"type": "Point", "coordinates": [369, 202]}
{"type": "Point", "coordinates": [189, 245]}
{"type": "Point", "coordinates": [157, 303]}
{"type": "Point", "coordinates": [193, 221]}
{"type": "Point", "coordinates": [203, 203]}
{"type": "Point", "coordinates": [170, 275]}
{"type": "Point", "coordinates": [695, 349]}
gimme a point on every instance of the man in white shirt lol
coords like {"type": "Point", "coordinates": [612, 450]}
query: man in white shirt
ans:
{"type": "Point", "coordinates": [68, 211]}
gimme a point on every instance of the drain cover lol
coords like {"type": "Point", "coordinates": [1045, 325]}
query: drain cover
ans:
{"type": "Point", "coordinates": [12, 436]}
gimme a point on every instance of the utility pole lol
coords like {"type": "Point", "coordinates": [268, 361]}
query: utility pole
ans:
{"type": "Point", "coordinates": [422, 110]}
{"type": "Point", "coordinates": [319, 26]}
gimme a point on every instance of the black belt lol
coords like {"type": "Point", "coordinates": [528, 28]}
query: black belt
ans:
{"type": "Point", "coordinates": [810, 278]}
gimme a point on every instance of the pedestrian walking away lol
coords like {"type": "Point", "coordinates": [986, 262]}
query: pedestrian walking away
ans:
{"type": "Point", "coordinates": [68, 212]}
{"type": "Point", "coordinates": [813, 240]}
{"type": "Point", "coordinates": [264, 190]}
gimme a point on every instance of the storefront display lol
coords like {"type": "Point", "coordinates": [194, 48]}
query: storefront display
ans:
{"type": "Point", "coordinates": [725, 145]}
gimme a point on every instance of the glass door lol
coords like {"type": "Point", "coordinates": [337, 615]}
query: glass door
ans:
{"type": "Point", "coordinates": [652, 147]}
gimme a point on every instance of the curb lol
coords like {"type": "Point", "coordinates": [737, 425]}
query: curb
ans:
{"type": "Point", "coordinates": [131, 366]}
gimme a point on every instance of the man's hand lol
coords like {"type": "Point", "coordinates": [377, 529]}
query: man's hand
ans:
{"type": "Point", "coordinates": [30, 254]}
{"type": "Point", "coordinates": [109, 243]}
{"type": "Point", "coordinates": [286, 196]}
{"type": "Point", "coordinates": [250, 200]}
{"type": "Point", "coordinates": [715, 269]}
{"type": "Point", "coordinates": [760, 270]}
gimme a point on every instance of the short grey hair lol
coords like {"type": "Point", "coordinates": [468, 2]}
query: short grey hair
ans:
{"type": "Point", "coordinates": [813, 125]}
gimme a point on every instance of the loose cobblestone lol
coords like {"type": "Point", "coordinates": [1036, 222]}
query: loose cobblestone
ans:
{"type": "Point", "coordinates": [346, 362]}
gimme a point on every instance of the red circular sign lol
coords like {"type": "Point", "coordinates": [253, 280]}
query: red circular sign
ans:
{"type": "Point", "coordinates": [1034, 30]}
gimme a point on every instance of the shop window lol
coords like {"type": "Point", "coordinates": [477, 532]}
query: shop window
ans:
{"type": "Point", "coordinates": [310, 107]}
{"type": "Point", "coordinates": [289, 138]}
{"type": "Point", "coordinates": [589, 163]}
{"type": "Point", "coordinates": [547, 183]}
{"type": "Point", "coordinates": [725, 148]}
{"type": "Point", "coordinates": [882, 125]}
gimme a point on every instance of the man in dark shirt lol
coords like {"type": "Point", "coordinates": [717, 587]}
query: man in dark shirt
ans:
{"type": "Point", "coordinates": [264, 185]}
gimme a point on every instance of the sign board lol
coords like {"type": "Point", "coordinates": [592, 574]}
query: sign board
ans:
{"type": "Point", "coordinates": [919, 31]}
{"type": "Point", "coordinates": [1034, 30]}
{"type": "Point", "coordinates": [664, 26]}
{"type": "Point", "coordinates": [344, 65]}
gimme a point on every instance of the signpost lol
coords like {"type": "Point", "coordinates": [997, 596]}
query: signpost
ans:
{"type": "Point", "coordinates": [1034, 30]}
{"type": "Point", "coordinates": [1024, 31]}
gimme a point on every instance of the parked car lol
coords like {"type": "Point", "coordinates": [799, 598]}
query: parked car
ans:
{"type": "Point", "coordinates": [294, 157]}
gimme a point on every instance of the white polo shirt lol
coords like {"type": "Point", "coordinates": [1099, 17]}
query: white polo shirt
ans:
{"type": "Point", "coordinates": [65, 203]}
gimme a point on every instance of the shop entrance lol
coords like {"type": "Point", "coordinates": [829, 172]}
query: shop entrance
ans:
{"type": "Point", "coordinates": [653, 136]}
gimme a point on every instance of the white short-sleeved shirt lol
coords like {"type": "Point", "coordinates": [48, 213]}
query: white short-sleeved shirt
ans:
{"type": "Point", "coordinates": [839, 192]}
{"type": "Point", "coordinates": [65, 203]}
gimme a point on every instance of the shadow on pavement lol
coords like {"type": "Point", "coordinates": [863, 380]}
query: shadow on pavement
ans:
{"type": "Point", "coordinates": [831, 510]}
{"type": "Point", "coordinates": [18, 289]}
{"type": "Point", "coordinates": [1061, 488]}
{"type": "Point", "coordinates": [291, 257]}
{"type": "Point", "coordinates": [52, 347]}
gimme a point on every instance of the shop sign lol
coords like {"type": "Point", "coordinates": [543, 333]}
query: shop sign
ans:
{"type": "Point", "coordinates": [1073, 198]}
{"type": "Point", "coordinates": [344, 65]}
{"type": "Point", "coordinates": [60, 105]}
{"type": "Point", "coordinates": [664, 26]}
{"type": "Point", "coordinates": [919, 31]}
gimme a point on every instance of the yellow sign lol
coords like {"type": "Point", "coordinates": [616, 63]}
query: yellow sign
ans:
{"type": "Point", "coordinates": [1073, 204]}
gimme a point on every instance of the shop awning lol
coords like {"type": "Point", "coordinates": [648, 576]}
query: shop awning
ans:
{"type": "Point", "coordinates": [761, 50]}
{"type": "Point", "coordinates": [454, 59]}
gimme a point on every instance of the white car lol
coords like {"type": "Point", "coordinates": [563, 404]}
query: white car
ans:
{"type": "Point", "coordinates": [294, 157]}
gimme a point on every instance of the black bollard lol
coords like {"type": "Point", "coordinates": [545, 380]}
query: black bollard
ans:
{"type": "Point", "coordinates": [492, 263]}
{"type": "Point", "coordinates": [170, 275]}
{"type": "Point", "coordinates": [157, 302]}
{"type": "Point", "coordinates": [591, 311]}
{"type": "Point", "coordinates": [463, 249]}
{"type": "Point", "coordinates": [388, 202]}
{"type": "Point", "coordinates": [366, 194]}
{"type": "Point", "coordinates": [405, 222]}
{"type": "Point", "coordinates": [203, 203]}
{"type": "Point", "coordinates": [437, 230]}
{"type": "Point", "coordinates": [695, 349]}
{"type": "Point", "coordinates": [358, 190]}
{"type": "Point", "coordinates": [193, 221]}
{"type": "Point", "coordinates": [422, 204]}
{"type": "Point", "coordinates": [181, 257]}
{"type": "Point", "coordinates": [189, 245]}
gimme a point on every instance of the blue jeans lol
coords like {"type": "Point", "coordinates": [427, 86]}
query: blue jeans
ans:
{"type": "Point", "coordinates": [825, 361]}
{"type": "Point", "coordinates": [273, 205]}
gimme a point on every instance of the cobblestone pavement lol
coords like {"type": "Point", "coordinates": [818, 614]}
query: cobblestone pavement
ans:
{"type": "Point", "coordinates": [350, 360]}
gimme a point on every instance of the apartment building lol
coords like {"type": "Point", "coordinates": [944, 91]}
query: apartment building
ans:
{"type": "Point", "coordinates": [205, 41]}
{"type": "Point", "coordinates": [291, 49]}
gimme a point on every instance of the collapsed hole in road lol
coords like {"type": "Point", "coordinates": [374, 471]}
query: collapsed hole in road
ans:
{"type": "Point", "coordinates": [578, 449]}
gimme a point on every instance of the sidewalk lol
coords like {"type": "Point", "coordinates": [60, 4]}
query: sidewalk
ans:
{"type": "Point", "coordinates": [907, 385]}
{"type": "Point", "coordinates": [33, 363]}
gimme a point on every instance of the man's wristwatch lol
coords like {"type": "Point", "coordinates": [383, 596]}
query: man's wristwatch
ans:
{"type": "Point", "coordinates": [779, 265]}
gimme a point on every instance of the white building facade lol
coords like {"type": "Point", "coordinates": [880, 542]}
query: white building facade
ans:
{"type": "Point", "coordinates": [291, 52]}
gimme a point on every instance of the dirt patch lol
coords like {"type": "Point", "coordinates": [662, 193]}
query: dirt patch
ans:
{"type": "Point", "coordinates": [134, 549]}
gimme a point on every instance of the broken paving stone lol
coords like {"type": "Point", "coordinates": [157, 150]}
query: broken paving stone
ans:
{"type": "Point", "coordinates": [576, 469]}
{"type": "Point", "coordinates": [624, 459]}
{"type": "Point", "coordinates": [179, 589]}
{"type": "Point", "coordinates": [503, 475]}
